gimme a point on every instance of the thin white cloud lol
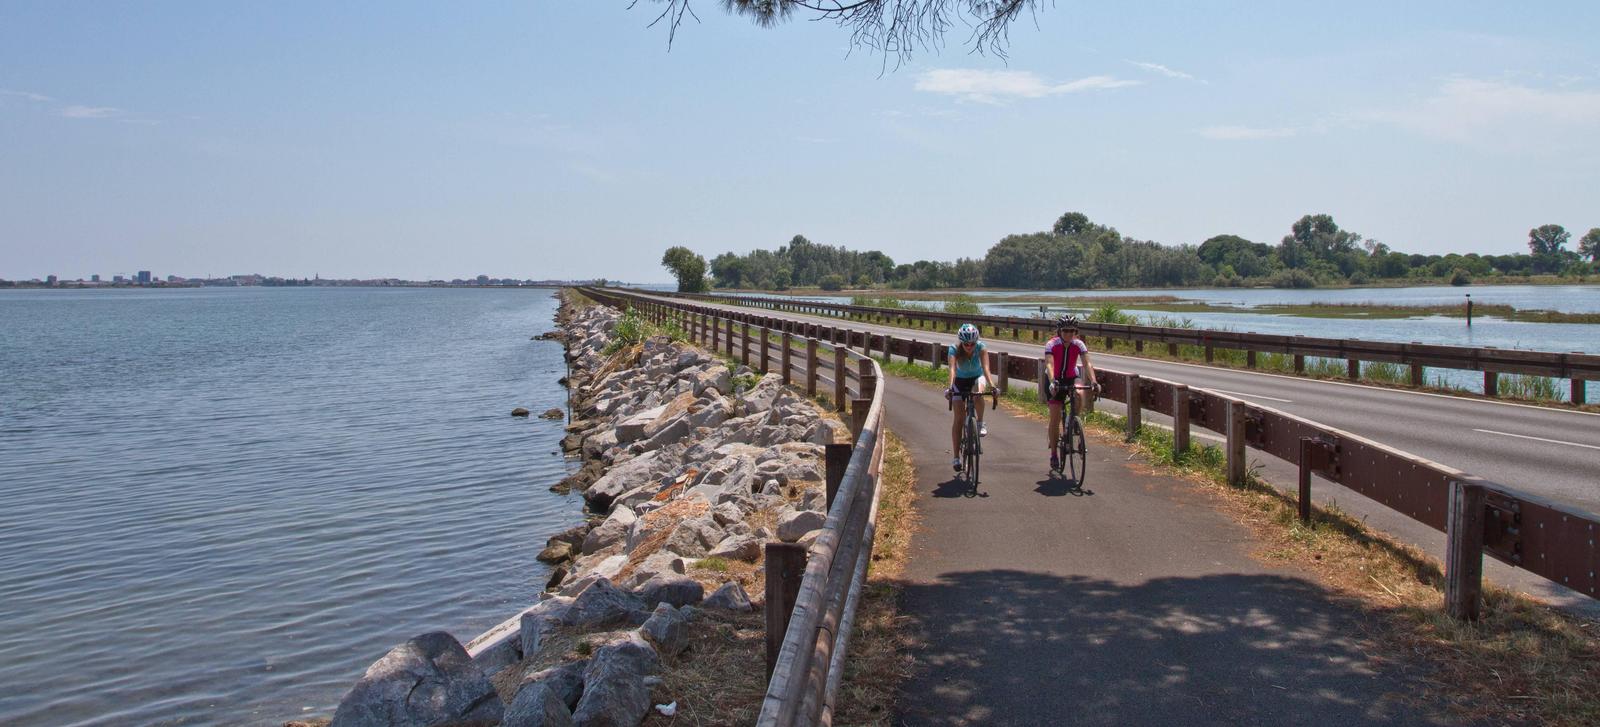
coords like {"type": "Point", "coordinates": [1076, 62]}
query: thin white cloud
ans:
{"type": "Point", "coordinates": [1495, 113]}
{"type": "Point", "coordinates": [1165, 71]}
{"type": "Point", "coordinates": [996, 86]}
{"type": "Point", "coordinates": [1246, 133]}
{"type": "Point", "coordinates": [91, 112]}
{"type": "Point", "coordinates": [31, 96]}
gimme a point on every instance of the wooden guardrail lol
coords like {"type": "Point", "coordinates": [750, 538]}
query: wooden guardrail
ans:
{"type": "Point", "coordinates": [1479, 517]}
{"type": "Point", "coordinates": [811, 595]}
{"type": "Point", "coordinates": [1578, 367]}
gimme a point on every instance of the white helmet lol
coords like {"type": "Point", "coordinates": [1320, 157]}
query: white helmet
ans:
{"type": "Point", "coordinates": [967, 334]}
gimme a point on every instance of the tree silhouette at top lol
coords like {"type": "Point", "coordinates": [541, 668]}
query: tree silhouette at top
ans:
{"type": "Point", "coordinates": [892, 27]}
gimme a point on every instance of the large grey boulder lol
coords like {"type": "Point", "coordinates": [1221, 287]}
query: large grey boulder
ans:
{"type": "Point", "coordinates": [596, 443]}
{"type": "Point", "coordinates": [668, 629]}
{"type": "Point", "coordinates": [729, 597]}
{"type": "Point", "coordinates": [536, 706]}
{"type": "Point", "coordinates": [694, 537]}
{"type": "Point", "coordinates": [794, 524]}
{"type": "Point", "coordinates": [711, 415]}
{"type": "Point", "coordinates": [633, 427]}
{"type": "Point", "coordinates": [672, 432]}
{"type": "Point", "coordinates": [614, 690]}
{"type": "Point", "coordinates": [565, 680]}
{"type": "Point", "coordinates": [713, 376]}
{"type": "Point", "coordinates": [654, 565]}
{"type": "Point", "coordinates": [738, 547]}
{"type": "Point", "coordinates": [428, 680]}
{"type": "Point", "coordinates": [759, 398]}
{"type": "Point", "coordinates": [674, 588]}
{"type": "Point", "coordinates": [602, 603]}
{"type": "Point", "coordinates": [637, 472]}
{"type": "Point", "coordinates": [611, 531]}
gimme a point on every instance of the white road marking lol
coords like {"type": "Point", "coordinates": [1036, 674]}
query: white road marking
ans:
{"type": "Point", "coordinates": [1253, 396]}
{"type": "Point", "coordinates": [1537, 439]}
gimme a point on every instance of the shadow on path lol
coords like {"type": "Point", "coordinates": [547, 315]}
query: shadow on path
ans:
{"type": "Point", "coordinates": [1018, 648]}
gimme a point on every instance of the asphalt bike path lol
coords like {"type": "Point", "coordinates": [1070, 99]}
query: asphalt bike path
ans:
{"type": "Point", "coordinates": [1130, 600]}
{"type": "Point", "coordinates": [1441, 428]}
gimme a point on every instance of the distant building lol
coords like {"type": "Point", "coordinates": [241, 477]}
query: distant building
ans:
{"type": "Point", "coordinates": [94, 278]}
{"type": "Point", "coordinates": [483, 280]}
{"type": "Point", "coordinates": [118, 279]}
{"type": "Point", "coordinates": [144, 277]}
{"type": "Point", "coordinates": [50, 280]}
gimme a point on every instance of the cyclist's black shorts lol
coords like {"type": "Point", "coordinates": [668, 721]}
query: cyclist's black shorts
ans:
{"type": "Point", "coordinates": [964, 384]}
{"type": "Point", "coordinates": [1062, 387]}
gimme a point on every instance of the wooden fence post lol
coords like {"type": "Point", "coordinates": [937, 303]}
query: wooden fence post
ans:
{"type": "Point", "coordinates": [1180, 420]}
{"type": "Point", "coordinates": [1491, 383]}
{"type": "Point", "coordinates": [811, 367]}
{"type": "Point", "coordinates": [1209, 354]}
{"type": "Point", "coordinates": [1135, 414]}
{"type": "Point", "coordinates": [1172, 350]}
{"type": "Point", "coordinates": [1578, 393]}
{"type": "Point", "coordinates": [744, 344]}
{"type": "Point", "coordinates": [1303, 506]}
{"type": "Point", "coordinates": [715, 333]}
{"type": "Point", "coordinates": [836, 457]}
{"type": "Point", "coordinates": [730, 337]}
{"type": "Point", "coordinates": [1463, 570]}
{"type": "Point", "coordinates": [1353, 369]}
{"type": "Point", "coordinates": [1236, 451]}
{"type": "Point", "coordinates": [1005, 372]}
{"type": "Point", "coordinates": [785, 567]}
{"type": "Point", "coordinates": [1299, 363]}
{"type": "Point", "coordinates": [888, 347]}
{"type": "Point", "coordinates": [788, 348]}
{"type": "Point", "coordinates": [935, 355]}
{"type": "Point", "coordinates": [1042, 380]}
{"type": "Point", "coordinates": [766, 350]}
{"type": "Point", "coordinates": [911, 351]}
{"type": "Point", "coordinates": [839, 372]}
{"type": "Point", "coordinates": [1416, 374]}
{"type": "Point", "coordinates": [1249, 358]}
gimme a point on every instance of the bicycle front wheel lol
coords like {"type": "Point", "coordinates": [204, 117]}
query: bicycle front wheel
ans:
{"type": "Point", "coordinates": [1077, 455]}
{"type": "Point", "coordinates": [972, 452]}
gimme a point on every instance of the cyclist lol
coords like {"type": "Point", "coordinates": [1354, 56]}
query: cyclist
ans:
{"type": "Point", "coordinates": [969, 373]}
{"type": "Point", "coordinates": [1069, 357]}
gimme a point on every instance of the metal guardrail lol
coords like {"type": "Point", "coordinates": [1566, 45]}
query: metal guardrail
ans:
{"type": "Point", "coordinates": [1479, 517]}
{"type": "Point", "coordinates": [813, 613]}
{"type": "Point", "coordinates": [1577, 367]}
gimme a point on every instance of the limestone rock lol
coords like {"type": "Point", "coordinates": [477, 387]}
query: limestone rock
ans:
{"type": "Point", "coordinates": [565, 680]}
{"type": "Point", "coordinates": [759, 398]}
{"type": "Point", "coordinates": [519, 412]}
{"type": "Point", "coordinates": [729, 596]}
{"type": "Point", "coordinates": [603, 603]}
{"type": "Point", "coordinates": [610, 532]}
{"type": "Point", "coordinates": [428, 680]}
{"type": "Point", "coordinates": [536, 706]}
{"type": "Point", "coordinates": [668, 629]}
{"type": "Point", "coordinates": [556, 552]}
{"type": "Point", "coordinates": [738, 547]}
{"type": "Point", "coordinates": [673, 588]}
{"type": "Point", "coordinates": [794, 524]}
{"type": "Point", "coordinates": [614, 690]}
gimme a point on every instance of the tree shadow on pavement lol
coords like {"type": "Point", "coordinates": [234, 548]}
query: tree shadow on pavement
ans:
{"type": "Point", "coordinates": [1018, 648]}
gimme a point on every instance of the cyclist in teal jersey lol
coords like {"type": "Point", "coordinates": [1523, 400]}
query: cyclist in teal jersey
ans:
{"type": "Point", "coordinates": [969, 373]}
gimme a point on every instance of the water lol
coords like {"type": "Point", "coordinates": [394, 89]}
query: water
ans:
{"type": "Point", "coordinates": [221, 505]}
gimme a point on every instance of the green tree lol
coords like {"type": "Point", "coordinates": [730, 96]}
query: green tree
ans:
{"type": "Point", "coordinates": [1589, 246]}
{"type": "Point", "coordinates": [1547, 240]}
{"type": "Point", "coordinates": [831, 281]}
{"type": "Point", "coordinates": [687, 267]}
{"type": "Point", "coordinates": [1071, 223]}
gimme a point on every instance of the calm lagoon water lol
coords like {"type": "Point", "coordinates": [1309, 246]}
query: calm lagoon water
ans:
{"type": "Point", "coordinates": [221, 505]}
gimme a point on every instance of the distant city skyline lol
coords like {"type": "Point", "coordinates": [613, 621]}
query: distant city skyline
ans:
{"type": "Point", "coordinates": [565, 140]}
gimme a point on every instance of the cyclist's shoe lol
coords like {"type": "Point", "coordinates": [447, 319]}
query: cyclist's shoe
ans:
{"type": "Point", "coordinates": [983, 431]}
{"type": "Point", "coordinates": [1055, 462]}
{"type": "Point", "coordinates": [956, 463]}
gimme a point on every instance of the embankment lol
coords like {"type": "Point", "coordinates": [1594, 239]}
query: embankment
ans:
{"type": "Point", "coordinates": [689, 467]}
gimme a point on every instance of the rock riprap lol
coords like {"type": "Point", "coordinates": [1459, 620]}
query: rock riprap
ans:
{"type": "Point", "coordinates": [682, 458]}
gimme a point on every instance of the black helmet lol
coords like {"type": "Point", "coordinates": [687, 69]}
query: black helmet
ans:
{"type": "Point", "coordinates": [1068, 322]}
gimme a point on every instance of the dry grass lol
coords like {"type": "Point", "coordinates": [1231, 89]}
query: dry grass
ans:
{"type": "Point", "coordinates": [879, 659]}
{"type": "Point", "coordinates": [721, 678]}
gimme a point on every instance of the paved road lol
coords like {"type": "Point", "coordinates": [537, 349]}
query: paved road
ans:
{"type": "Point", "coordinates": [1554, 453]}
{"type": "Point", "coordinates": [1130, 601]}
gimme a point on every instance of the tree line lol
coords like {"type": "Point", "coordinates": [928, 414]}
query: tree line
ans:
{"type": "Point", "coordinates": [1078, 253]}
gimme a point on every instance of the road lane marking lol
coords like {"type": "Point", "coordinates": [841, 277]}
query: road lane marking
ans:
{"type": "Point", "coordinates": [1253, 396]}
{"type": "Point", "coordinates": [1537, 439]}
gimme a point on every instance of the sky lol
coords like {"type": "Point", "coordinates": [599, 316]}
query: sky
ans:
{"type": "Point", "coordinates": [565, 139]}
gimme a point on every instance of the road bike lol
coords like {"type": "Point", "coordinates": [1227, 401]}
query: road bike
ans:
{"type": "Point", "coordinates": [971, 443]}
{"type": "Point", "coordinates": [1072, 449]}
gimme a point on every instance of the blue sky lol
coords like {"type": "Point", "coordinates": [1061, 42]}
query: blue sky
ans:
{"type": "Point", "coordinates": [562, 139]}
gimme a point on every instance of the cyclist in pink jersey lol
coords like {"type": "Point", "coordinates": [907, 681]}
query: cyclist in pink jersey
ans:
{"type": "Point", "coordinates": [1069, 358]}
